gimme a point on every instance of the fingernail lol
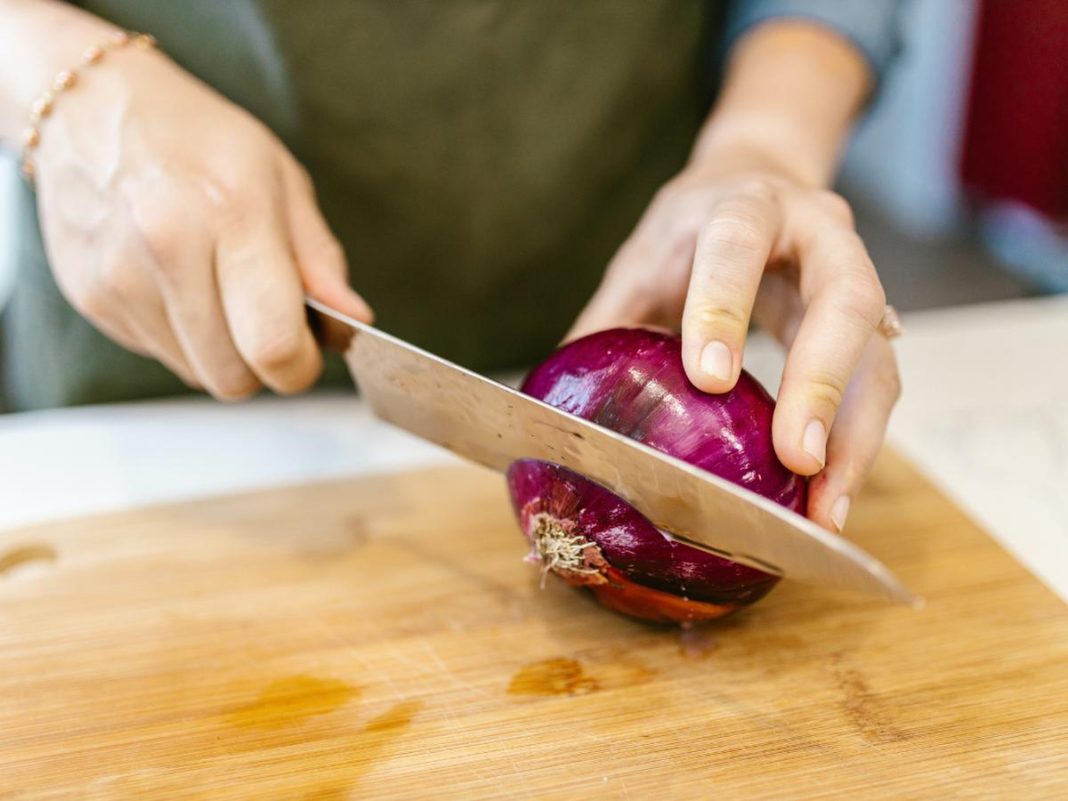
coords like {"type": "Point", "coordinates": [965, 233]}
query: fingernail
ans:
{"type": "Point", "coordinates": [716, 360]}
{"type": "Point", "coordinates": [840, 511]}
{"type": "Point", "coordinates": [814, 441]}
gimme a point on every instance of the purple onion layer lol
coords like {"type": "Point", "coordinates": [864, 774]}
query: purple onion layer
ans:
{"type": "Point", "coordinates": [633, 382]}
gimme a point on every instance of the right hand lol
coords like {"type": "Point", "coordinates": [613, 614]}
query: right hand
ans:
{"type": "Point", "coordinates": [183, 229]}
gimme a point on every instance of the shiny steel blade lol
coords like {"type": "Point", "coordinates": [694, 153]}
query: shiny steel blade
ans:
{"type": "Point", "coordinates": [494, 425]}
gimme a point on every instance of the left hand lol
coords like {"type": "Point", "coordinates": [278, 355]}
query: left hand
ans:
{"type": "Point", "coordinates": [739, 238]}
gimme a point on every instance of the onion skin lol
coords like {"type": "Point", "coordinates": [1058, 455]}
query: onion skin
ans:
{"type": "Point", "coordinates": [632, 381]}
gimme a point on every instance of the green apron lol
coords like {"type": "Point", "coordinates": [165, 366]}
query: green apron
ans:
{"type": "Point", "coordinates": [480, 161]}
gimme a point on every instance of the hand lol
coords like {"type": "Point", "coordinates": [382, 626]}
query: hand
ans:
{"type": "Point", "coordinates": [182, 228]}
{"type": "Point", "coordinates": [737, 238]}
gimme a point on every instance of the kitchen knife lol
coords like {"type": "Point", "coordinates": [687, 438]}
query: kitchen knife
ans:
{"type": "Point", "coordinates": [493, 425]}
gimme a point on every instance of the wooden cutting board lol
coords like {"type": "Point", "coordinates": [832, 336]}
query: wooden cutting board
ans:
{"type": "Point", "coordinates": [382, 638]}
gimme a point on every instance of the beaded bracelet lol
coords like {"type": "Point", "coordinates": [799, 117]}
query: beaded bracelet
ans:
{"type": "Point", "coordinates": [64, 80]}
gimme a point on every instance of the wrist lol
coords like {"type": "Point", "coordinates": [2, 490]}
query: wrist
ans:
{"type": "Point", "coordinates": [99, 65]}
{"type": "Point", "coordinates": [790, 95]}
{"type": "Point", "coordinates": [760, 145]}
{"type": "Point", "coordinates": [38, 40]}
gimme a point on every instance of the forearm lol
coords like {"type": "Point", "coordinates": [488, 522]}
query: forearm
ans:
{"type": "Point", "coordinates": [791, 93]}
{"type": "Point", "coordinates": [38, 39]}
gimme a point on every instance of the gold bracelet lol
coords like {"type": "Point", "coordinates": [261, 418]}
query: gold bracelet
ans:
{"type": "Point", "coordinates": [65, 79]}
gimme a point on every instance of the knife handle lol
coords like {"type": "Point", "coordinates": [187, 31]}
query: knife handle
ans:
{"type": "Point", "coordinates": [331, 334]}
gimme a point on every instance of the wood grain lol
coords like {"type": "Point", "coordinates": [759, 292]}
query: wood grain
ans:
{"type": "Point", "coordinates": [382, 638]}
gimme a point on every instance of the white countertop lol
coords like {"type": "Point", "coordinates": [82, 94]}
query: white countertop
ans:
{"type": "Point", "coordinates": [984, 414]}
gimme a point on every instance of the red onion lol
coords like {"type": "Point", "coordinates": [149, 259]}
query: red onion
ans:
{"type": "Point", "coordinates": [632, 381]}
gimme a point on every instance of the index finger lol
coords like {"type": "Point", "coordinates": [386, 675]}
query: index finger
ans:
{"type": "Point", "coordinates": [732, 251]}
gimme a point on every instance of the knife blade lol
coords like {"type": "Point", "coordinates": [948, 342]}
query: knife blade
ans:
{"type": "Point", "coordinates": [493, 425]}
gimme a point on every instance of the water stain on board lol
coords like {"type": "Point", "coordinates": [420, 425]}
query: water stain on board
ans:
{"type": "Point", "coordinates": [324, 763]}
{"type": "Point", "coordinates": [26, 554]}
{"type": "Point", "coordinates": [696, 644]}
{"type": "Point", "coordinates": [395, 719]}
{"type": "Point", "coordinates": [560, 676]}
{"type": "Point", "coordinates": [293, 700]}
{"type": "Point", "coordinates": [377, 735]}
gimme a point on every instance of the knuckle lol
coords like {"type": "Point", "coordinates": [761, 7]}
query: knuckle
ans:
{"type": "Point", "coordinates": [736, 229]}
{"type": "Point", "coordinates": [222, 195]}
{"type": "Point", "coordinates": [296, 384]}
{"type": "Point", "coordinates": [888, 377]}
{"type": "Point", "coordinates": [760, 188]}
{"type": "Point", "coordinates": [826, 390]}
{"type": "Point", "coordinates": [234, 384]}
{"type": "Point", "coordinates": [276, 349]}
{"type": "Point", "coordinates": [227, 196]}
{"type": "Point", "coordinates": [163, 239]}
{"type": "Point", "coordinates": [864, 296]}
{"type": "Point", "coordinates": [232, 208]}
{"type": "Point", "coordinates": [892, 382]}
{"type": "Point", "coordinates": [227, 392]}
{"type": "Point", "coordinates": [713, 319]}
{"type": "Point", "coordinates": [835, 206]}
{"type": "Point", "coordinates": [873, 299]}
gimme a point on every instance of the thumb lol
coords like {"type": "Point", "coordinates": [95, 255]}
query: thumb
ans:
{"type": "Point", "coordinates": [320, 258]}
